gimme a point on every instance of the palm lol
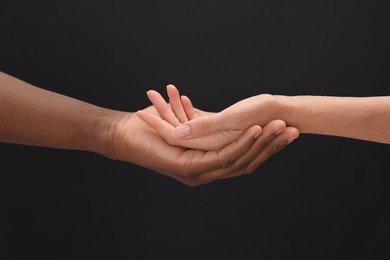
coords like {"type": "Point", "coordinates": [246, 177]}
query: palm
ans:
{"type": "Point", "coordinates": [212, 141]}
{"type": "Point", "coordinates": [164, 117]}
{"type": "Point", "coordinates": [141, 144]}
{"type": "Point", "coordinates": [148, 140]}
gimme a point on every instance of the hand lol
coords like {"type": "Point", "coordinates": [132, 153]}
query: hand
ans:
{"type": "Point", "coordinates": [180, 112]}
{"type": "Point", "coordinates": [135, 141]}
{"type": "Point", "coordinates": [260, 110]}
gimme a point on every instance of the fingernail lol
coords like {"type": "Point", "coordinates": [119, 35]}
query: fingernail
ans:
{"type": "Point", "coordinates": [138, 113]}
{"type": "Point", "coordinates": [182, 131]}
{"type": "Point", "coordinates": [290, 141]}
{"type": "Point", "coordinates": [149, 94]}
{"type": "Point", "coordinates": [278, 132]}
{"type": "Point", "coordinates": [257, 134]}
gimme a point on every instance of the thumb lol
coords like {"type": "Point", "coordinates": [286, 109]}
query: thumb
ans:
{"type": "Point", "coordinates": [199, 126]}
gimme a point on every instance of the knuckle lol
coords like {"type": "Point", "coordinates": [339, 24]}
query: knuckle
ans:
{"type": "Point", "coordinates": [205, 126]}
{"type": "Point", "coordinates": [167, 108]}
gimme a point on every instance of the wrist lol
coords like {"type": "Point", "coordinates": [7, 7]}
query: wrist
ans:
{"type": "Point", "coordinates": [273, 107]}
{"type": "Point", "coordinates": [108, 132]}
{"type": "Point", "coordinates": [283, 108]}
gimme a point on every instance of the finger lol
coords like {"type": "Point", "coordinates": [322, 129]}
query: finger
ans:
{"type": "Point", "coordinates": [163, 108]}
{"type": "Point", "coordinates": [201, 126]}
{"type": "Point", "coordinates": [175, 102]}
{"type": "Point", "coordinates": [277, 144]}
{"type": "Point", "coordinates": [165, 130]}
{"type": "Point", "coordinates": [240, 167]}
{"type": "Point", "coordinates": [161, 126]}
{"type": "Point", "coordinates": [271, 132]}
{"type": "Point", "coordinates": [217, 163]}
{"type": "Point", "coordinates": [188, 107]}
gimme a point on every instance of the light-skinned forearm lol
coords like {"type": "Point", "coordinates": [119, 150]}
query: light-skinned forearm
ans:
{"type": "Point", "coordinates": [34, 116]}
{"type": "Point", "coordinates": [366, 118]}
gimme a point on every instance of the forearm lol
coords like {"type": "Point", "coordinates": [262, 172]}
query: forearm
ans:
{"type": "Point", "coordinates": [366, 118]}
{"type": "Point", "coordinates": [34, 116]}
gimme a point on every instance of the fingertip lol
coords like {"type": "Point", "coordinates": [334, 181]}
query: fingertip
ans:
{"type": "Point", "coordinates": [150, 93]}
{"type": "Point", "coordinates": [171, 88]}
{"type": "Point", "coordinates": [188, 107]}
{"type": "Point", "coordinates": [141, 115]}
{"type": "Point", "coordinates": [258, 132]}
{"type": "Point", "coordinates": [280, 126]}
{"type": "Point", "coordinates": [157, 99]}
{"type": "Point", "coordinates": [182, 131]}
{"type": "Point", "coordinates": [293, 134]}
{"type": "Point", "coordinates": [254, 131]}
{"type": "Point", "coordinates": [186, 101]}
{"type": "Point", "coordinates": [280, 123]}
{"type": "Point", "coordinates": [296, 132]}
{"type": "Point", "coordinates": [258, 128]}
{"type": "Point", "coordinates": [200, 126]}
{"type": "Point", "coordinates": [172, 92]}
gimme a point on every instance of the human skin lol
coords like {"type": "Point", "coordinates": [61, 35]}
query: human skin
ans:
{"type": "Point", "coordinates": [180, 110]}
{"type": "Point", "coordinates": [364, 118]}
{"type": "Point", "coordinates": [31, 115]}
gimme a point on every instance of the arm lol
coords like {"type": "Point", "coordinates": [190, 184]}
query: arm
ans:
{"type": "Point", "coordinates": [365, 118]}
{"type": "Point", "coordinates": [33, 116]}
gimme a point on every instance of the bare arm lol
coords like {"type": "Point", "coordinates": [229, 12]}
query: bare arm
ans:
{"type": "Point", "coordinates": [33, 116]}
{"type": "Point", "coordinates": [366, 118]}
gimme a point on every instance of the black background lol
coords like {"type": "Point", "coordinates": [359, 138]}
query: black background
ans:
{"type": "Point", "coordinates": [320, 198]}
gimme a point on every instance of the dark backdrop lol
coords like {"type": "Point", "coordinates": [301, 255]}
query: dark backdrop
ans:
{"type": "Point", "coordinates": [320, 198]}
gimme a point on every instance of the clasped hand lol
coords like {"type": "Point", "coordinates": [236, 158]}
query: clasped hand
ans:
{"type": "Point", "coordinates": [197, 147]}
